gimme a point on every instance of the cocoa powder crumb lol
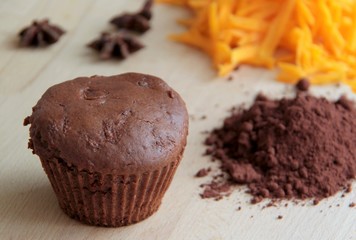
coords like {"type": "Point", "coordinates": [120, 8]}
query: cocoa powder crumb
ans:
{"type": "Point", "coordinates": [27, 121]}
{"type": "Point", "coordinates": [351, 205]}
{"type": "Point", "coordinates": [279, 217]}
{"type": "Point", "coordinates": [303, 85]}
{"type": "Point", "coordinates": [203, 172]}
{"type": "Point", "coordinates": [348, 188]}
{"type": "Point", "coordinates": [297, 148]}
{"type": "Point", "coordinates": [216, 190]}
{"type": "Point", "coordinates": [316, 201]}
{"type": "Point", "coordinates": [218, 176]}
{"type": "Point", "coordinates": [271, 203]}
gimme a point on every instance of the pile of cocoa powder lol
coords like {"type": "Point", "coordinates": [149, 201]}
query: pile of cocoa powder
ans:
{"type": "Point", "coordinates": [298, 148]}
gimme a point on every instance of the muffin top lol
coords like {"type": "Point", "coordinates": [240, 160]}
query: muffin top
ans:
{"type": "Point", "coordinates": [130, 122]}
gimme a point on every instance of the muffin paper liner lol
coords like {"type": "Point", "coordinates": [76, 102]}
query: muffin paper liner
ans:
{"type": "Point", "coordinates": [108, 200]}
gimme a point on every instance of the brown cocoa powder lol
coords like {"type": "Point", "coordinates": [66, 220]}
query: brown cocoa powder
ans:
{"type": "Point", "coordinates": [216, 190]}
{"type": "Point", "coordinates": [303, 85]}
{"type": "Point", "coordinates": [203, 172]}
{"type": "Point", "coordinates": [297, 148]}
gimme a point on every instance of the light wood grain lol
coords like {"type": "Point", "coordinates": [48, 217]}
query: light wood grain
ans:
{"type": "Point", "coordinates": [28, 207]}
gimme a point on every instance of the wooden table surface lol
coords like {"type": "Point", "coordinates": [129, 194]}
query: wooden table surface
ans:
{"type": "Point", "coordinates": [28, 207]}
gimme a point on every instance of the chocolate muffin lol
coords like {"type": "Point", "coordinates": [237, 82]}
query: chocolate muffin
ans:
{"type": "Point", "coordinates": [109, 145]}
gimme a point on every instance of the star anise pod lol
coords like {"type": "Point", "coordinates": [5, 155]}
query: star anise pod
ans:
{"type": "Point", "coordinates": [119, 45]}
{"type": "Point", "coordinates": [40, 33]}
{"type": "Point", "coordinates": [137, 22]}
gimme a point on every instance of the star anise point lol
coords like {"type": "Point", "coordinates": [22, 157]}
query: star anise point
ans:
{"type": "Point", "coordinates": [40, 33]}
{"type": "Point", "coordinates": [116, 45]}
{"type": "Point", "coordinates": [136, 22]}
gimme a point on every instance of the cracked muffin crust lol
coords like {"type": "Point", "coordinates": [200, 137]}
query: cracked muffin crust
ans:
{"type": "Point", "coordinates": [106, 142]}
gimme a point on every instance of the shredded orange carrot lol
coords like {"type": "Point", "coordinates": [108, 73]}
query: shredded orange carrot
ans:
{"type": "Point", "coordinates": [313, 39]}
